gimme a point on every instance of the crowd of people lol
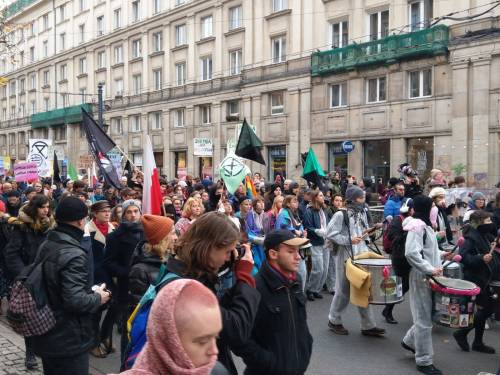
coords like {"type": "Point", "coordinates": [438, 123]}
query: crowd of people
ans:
{"type": "Point", "coordinates": [244, 264]}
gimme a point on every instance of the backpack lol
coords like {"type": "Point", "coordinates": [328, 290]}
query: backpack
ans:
{"type": "Point", "coordinates": [386, 242]}
{"type": "Point", "coordinates": [29, 313]}
{"type": "Point", "coordinates": [138, 320]}
{"type": "Point", "coordinates": [398, 259]}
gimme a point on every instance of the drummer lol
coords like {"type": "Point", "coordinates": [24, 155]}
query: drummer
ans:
{"type": "Point", "coordinates": [424, 256]}
{"type": "Point", "coordinates": [481, 265]}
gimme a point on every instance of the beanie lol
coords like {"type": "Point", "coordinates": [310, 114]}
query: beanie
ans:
{"type": "Point", "coordinates": [422, 206]}
{"type": "Point", "coordinates": [156, 228]}
{"type": "Point", "coordinates": [353, 192]}
{"type": "Point", "coordinates": [437, 191]}
{"type": "Point", "coordinates": [478, 195]}
{"type": "Point", "coordinates": [130, 202]}
{"type": "Point", "coordinates": [71, 209]}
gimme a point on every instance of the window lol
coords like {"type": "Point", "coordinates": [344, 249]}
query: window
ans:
{"type": "Point", "coordinates": [32, 54]}
{"type": "Point", "coordinates": [33, 107]}
{"type": "Point", "coordinates": [82, 65]}
{"type": "Point", "coordinates": [22, 113]}
{"type": "Point", "coordinates": [46, 77]}
{"type": "Point", "coordinates": [119, 87]}
{"type": "Point", "coordinates": [233, 108]}
{"type": "Point", "coordinates": [117, 125]}
{"type": "Point", "coordinates": [45, 48]}
{"type": "Point", "coordinates": [103, 84]}
{"type": "Point", "coordinates": [82, 5]}
{"type": "Point", "coordinates": [279, 5]}
{"type": "Point", "coordinates": [278, 49]}
{"type": "Point", "coordinates": [180, 74]}
{"type": "Point", "coordinates": [420, 83]}
{"type": "Point", "coordinates": [118, 52]}
{"type": "Point", "coordinates": [12, 88]}
{"type": "Point", "coordinates": [136, 11]}
{"type": "Point", "coordinates": [206, 27]}
{"type": "Point", "coordinates": [117, 17]}
{"type": "Point", "coordinates": [206, 68]}
{"type": "Point", "coordinates": [46, 104]}
{"type": "Point", "coordinates": [21, 58]}
{"type": "Point", "coordinates": [13, 115]}
{"type": "Point", "coordinates": [136, 48]}
{"type": "Point", "coordinates": [136, 84]}
{"type": "Point", "coordinates": [205, 114]}
{"type": "Point", "coordinates": [4, 117]}
{"type": "Point", "coordinates": [179, 2]}
{"type": "Point", "coordinates": [376, 90]}
{"type": "Point", "coordinates": [81, 32]}
{"type": "Point", "coordinates": [179, 118]}
{"type": "Point", "coordinates": [83, 95]}
{"type": "Point", "coordinates": [379, 25]}
{"type": "Point", "coordinates": [157, 79]}
{"type": "Point", "coordinates": [156, 121]}
{"type": "Point", "coordinates": [137, 158]}
{"type": "Point", "coordinates": [420, 13]}
{"type": "Point", "coordinates": [62, 41]}
{"type": "Point", "coordinates": [135, 123]}
{"type": "Point", "coordinates": [33, 81]}
{"type": "Point", "coordinates": [63, 71]}
{"type": "Point", "coordinates": [45, 22]}
{"type": "Point", "coordinates": [277, 103]}
{"type": "Point", "coordinates": [157, 42]}
{"type": "Point", "coordinates": [62, 12]}
{"type": "Point", "coordinates": [101, 59]}
{"type": "Point", "coordinates": [235, 17]}
{"type": "Point", "coordinates": [338, 95]}
{"type": "Point", "coordinates": [339, 33]}
{"type": "Point", "coordinates": [235, 58]}
{"type": "Point", "coordinates": [100, 25]}
{"type": "Point", "coordinates": [22, 85]}
{"type": "Point", "coordinates": [156, 6]}
{"type": "Point", "coordinates": [32, 29]}
{"type": "Point", "coordinates": [60, 133]}
{"type": "Point", "coordinates": [65, 100]}
{"type": "Point", "coordinates": [180, 35]}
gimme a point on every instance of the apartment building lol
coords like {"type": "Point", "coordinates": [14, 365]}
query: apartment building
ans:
{"type": "Point", "coordinates": [304, 73]}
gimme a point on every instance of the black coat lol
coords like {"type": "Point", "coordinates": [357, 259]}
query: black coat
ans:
{"type": "Point", "coordinates": [98, 246]}
{"type": "Point", "coordinates": [447, 227]}
{"type": "Point", "coordinates": [312, 221]}
{"type": "Point", "coordinates": [281, 342]}
{"type": "Point", "coordinates": [66, 275]}
{"type": "Point", "coordinates": [238, 307]}
{"type": "Point", "coordinates": [144, 271]}
{"type": "Point", "coordinates": [120, 246]}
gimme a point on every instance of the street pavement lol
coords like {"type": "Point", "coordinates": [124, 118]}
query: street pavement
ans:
{"type": "Point", "coordinates": [332, 354]}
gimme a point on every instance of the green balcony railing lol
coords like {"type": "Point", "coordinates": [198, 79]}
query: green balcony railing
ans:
{"type": "Point", "coordinates": [427, 42]}
{"type": "Point", "coordinates": [67, 115]}
{"type": "Point", "coordinates": [16, 7]}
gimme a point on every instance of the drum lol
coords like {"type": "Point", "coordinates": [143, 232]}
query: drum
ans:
{"type": "Point", "coordinates": [495, 295]}
{"type": "Point", "coordinates": [453, 270]}
{"type": "Point", "coordinates": [454, 302]}
{"type": "Point", "coordinates": [386, 287]}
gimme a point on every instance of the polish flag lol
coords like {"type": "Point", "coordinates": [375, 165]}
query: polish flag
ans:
{"type": "Point", "coordinates": [151, 193]}
{"type": "Point", "coordinates": [94, 175]}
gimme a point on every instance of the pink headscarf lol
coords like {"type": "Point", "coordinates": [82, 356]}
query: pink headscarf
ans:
{"type": "Point", "coordinates": [163, 353]}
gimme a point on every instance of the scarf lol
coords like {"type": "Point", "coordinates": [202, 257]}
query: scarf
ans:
{"type": "Point", "coordinates": [102, 227]}
{"type": "Point", "coordinates": [258, 219]}
{"type": "Point", "coordinates": [288, 277]}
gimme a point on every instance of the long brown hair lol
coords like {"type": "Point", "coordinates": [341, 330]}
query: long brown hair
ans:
{"type": "Point", "coordinates": [314, 200]}
{"type": "Point", "coordinates": [210, 232]}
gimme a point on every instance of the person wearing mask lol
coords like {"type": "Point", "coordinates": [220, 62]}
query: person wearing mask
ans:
{"type": "Point", "coordinates": [183, 326]}
{"type": "Point", "coordinates": [425, 259]}
{"type": "Point", "coordinates": [348, 231]}
{"type": "Point", "coordinates": [272, 214]}
{"type": "Point", "coordinates": [394, 202]}
{"type": "Point", "coordinates": [477, 202]}
{"type": "Point", "coordinates": [120, 246]}
{"type": "Point", "coordinates": [280, 342]}
{"type": "Point", "coordinates": [316, 219]}
{"type": "Point", "coordinates": [13, 203]}
{"type": "Point", "coordinates": [193, 208]}
{"type": "Point", "coordinates": [65, 348]}
{"type": "Point", "coordinates": [200, 254]}
{"type": "Point", "coordinates": [443, 227]}
{"type": "Point", "coordinates": [255, 232]}
{"type": "Point", "coordinates": [481, 265]}
{"type": "Point", "coordinates": [337, 204]}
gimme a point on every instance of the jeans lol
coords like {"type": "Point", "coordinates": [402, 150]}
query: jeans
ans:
{"type": "Point", "coordinates": [75, 365]}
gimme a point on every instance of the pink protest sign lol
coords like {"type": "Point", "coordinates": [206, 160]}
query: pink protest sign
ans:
{"type": "Point", "coordinates": [25, 171]}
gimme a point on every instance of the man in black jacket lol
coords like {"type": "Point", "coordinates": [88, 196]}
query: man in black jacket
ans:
{"type": "Point", "coordinates": [280, 342]}
{"type": "Point", "coordinates": [64, 349]}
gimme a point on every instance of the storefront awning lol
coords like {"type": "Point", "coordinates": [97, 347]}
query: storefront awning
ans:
{"type": "Point", "coordinates": [67, 115]}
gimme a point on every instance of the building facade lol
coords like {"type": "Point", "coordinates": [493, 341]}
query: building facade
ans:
{"type": "Point", "coordinates": [304, 73]}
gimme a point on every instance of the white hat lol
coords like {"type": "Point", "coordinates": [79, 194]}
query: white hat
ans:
{"type": "Point", "coordinates": [436, 192]}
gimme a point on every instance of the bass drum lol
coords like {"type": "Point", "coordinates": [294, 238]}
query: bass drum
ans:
{"type": "Point", "coordinates": [453, 271]}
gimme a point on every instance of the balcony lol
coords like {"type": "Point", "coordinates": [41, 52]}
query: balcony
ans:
{"type": "Point", "coordinates": [61, 116]}
{"type": "Point", "coordinates": [427, 42]}
{"type": "Point", "coordinates": [16, 7]}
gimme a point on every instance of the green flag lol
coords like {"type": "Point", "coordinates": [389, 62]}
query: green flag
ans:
{"type": "Point", "coordinates": [233, 172]}
{"type": "Point", "coordinates": [312, 170]}
{"type": "Point", "coordinates": [249, 146]}
{"type": "Point", "coordinates": [72, 172]}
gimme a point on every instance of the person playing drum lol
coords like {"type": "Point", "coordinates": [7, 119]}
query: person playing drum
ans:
{"type": "Point", "coordinates": [481, 265]}
{"type": "Point", "coordinates": [424, 256]}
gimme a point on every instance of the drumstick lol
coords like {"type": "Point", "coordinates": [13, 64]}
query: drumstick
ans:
{"type": "Point", "coordinates": [456, 259]}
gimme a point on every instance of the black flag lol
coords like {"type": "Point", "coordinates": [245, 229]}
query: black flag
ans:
{"type": "Point", "coordinates": [249, 146]}
{"type": "Point", "coordinates": [99, 145]}
{"type": "Point", "coordinates": [130, 173]}
{"type": "Point", "coordinates": [312, 170]}
{"type": "Point", "coordinates": [56, 175]}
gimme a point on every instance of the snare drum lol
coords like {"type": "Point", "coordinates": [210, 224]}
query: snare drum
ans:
{"type": "Point", "coordinates": [386, 287]}
{"type": "Point", "coordinates": [454, 302]}
{"type": "Point", "coordinates": [495, 295]}
{"type": "Point", "coordinates": [453, 270]}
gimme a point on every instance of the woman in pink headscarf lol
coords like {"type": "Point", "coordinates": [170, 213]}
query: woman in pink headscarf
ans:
{"type": "Point", "coordinates": [183, 325]}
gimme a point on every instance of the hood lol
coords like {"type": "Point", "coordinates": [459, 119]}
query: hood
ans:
{"type": "Point", "coordinates": [90, 228]}
{"type": "Point", "coordinates": [142, 256]}
{"type": "Point", "coordinates": [36, 225]}
{"type": "Point", "coordinates": [414, 225]}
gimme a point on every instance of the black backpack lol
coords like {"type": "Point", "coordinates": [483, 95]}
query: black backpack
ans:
{"type": "Point", "coordinates": [399, 262]}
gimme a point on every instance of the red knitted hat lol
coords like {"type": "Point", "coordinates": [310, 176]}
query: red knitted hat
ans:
{"type": "Point", "coordinates": [156, 228]}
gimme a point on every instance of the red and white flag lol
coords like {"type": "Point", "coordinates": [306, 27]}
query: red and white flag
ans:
{"type": "Point", "coordinates": [151, 193]}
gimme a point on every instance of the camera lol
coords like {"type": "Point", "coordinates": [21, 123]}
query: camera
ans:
{"type": "Point", "coordinates": [240, 250]}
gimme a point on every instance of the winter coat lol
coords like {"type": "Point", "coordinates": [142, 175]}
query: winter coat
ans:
{"type": "Point", "coordinates": [25, 239]}
{"type": "Point", "coordinates": [120, 246]}
{"type": "Point", "coordinates": [98, 243]}
{"type": "Point", "coordinates": [312, 221]}
{"type": "Point", "coordinates": [66, 276]}
{"type": "Point", "coordinates": [284, 221]}
{"type": "Point", "coordinates": [393, 205]}
{"type": "Point", "coordinates": [280, 342]}
{"type": "Point", "coordinates": [238, 307]}
{"type": "Point", "coordinates": [447, 228]}
{"type": "Point", "coordinates": [143, 272]}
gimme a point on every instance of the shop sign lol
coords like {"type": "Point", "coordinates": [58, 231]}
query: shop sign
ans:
{"type": "Point", "coordinates": [347, 146]}
{"type": "Point", "coordinates": [203, 147]}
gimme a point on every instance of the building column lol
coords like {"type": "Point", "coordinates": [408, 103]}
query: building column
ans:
{"type": "Point", "coordinates": [460, 113]}
{"type": "Point", "coordinates": [355, 160]}
{"type": "Point", "coordinates": [397, 155]}
{"type": "Point", "coordinates": [218, 115]}
{"type": "Point", "coordinates": [167, 168]}
{"type": "Point", "coordinates": [190, 111]}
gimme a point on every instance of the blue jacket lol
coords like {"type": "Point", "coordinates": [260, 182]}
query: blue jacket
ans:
{"type": "Point", "coordinates": [393, 205]}
{"type": "Point", "coordinates": [311, 222]}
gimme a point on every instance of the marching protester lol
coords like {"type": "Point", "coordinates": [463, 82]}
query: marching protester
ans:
{"type": "Point", "coordinates": [337, 204]}
{"type": "Point", "coordinates": [29, 230]}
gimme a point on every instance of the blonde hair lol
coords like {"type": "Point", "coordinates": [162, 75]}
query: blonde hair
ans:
{"type": "Point", "coordinates": [187, 210]}
{"type": "Point", "coordinates": [162, 249]}
{"type": "Point", "coordinates": [274, 208]}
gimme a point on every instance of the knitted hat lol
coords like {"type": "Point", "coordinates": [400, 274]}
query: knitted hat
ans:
{"type": "Point", "coordinates": [130, 202]}
{"type": "Point", "coordinates": [99, 206]}
{"type": "Point", "coordinates": [156, 228]}
{"type": "Point", "coordinates": [353, 192]}
{"type": "Point", "coordinates": [71, 209]}
{"type": "Point", "coordinates": [478, 195]}
{"type": "Point", "coordinates": [436, 192]}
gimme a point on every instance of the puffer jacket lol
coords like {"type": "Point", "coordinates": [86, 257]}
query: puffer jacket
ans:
{"type": "Point", "coordinates": [67, 278]}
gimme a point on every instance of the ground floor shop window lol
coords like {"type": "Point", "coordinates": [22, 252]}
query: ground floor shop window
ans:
{"type": "Point", "coordinates": [206, 167]}
{"type": "Point", "coordinates": [180, 158]}
{"type": "Point", "coordinates": [277, 161]}
{"type": "Point", "coordinates": [376, 159]}
{"type": "Point", "coordinates": [420, 155]}
{"type": "Point", "coordinates": [159, 162]}
{"type": "Point", "coordinates": [337, 158]}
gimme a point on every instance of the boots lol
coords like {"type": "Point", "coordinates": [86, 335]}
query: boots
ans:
{"type": "Point", "coordinates": [461, 338]}
{"type": "Point", "coordinates": [387, 314]}
{"type": "Point", "coordinates": [30, 361]}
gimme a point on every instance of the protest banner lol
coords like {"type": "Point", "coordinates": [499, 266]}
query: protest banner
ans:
{"type": "Point", "coordinates": [24, 172]}
{"type": "Point", "coordinates": [41, 153]}
{"type": "Point", "coordinates": [203, 147]}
